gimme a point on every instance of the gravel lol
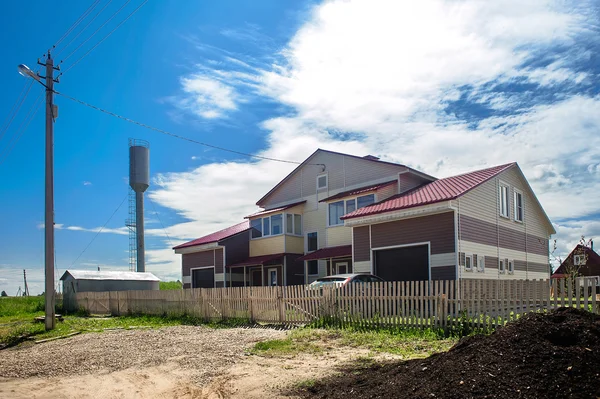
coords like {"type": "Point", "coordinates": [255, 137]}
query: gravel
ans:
{"type": "Point", "coordinates": [204, 350]}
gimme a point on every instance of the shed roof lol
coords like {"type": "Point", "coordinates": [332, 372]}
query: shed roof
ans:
{"type": "Point", "coordinates": [109, 275]}
{"type": "Point", "coordinates": [278, 209]}
{"type": "Point", "coordinates": [430, 193]}
{"type": "Point", "coordinates": [217, 236]}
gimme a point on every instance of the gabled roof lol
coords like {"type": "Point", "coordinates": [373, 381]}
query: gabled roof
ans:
{"type": "Point", "coordinates": [445, 189]}
{"type": "Point", "coordinates": [591, 268]}
{"type": "Point", "coordinates": [218, 236]}
{"type": "Point", "coordinates": [281, 208]}
{"type": "Point", "coordinates": [109, 275]}
{"type": "Point", "coordinates": [358, 191]}
{"type": "Point", "coordinates": [368, 158]}
{"type": "Point", "coordinates": [259, 260]}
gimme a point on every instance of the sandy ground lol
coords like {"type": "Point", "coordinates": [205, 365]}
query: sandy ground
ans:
{"type": "Point", "coordinates": [175, 362]}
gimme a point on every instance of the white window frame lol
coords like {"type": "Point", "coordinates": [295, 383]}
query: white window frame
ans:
{"type": "Point", "coordinates": [262, 222]}
{"type": "Point", "coordinates": [326, 181]}
{"type": "Point", "coordinates": [578, 260]}
{"type": "Point", "coordinates": [481, 263]}
{"type": "Point", "coordinates": [501, 266]}
{"type": "Point", "coordinates": [293, 215]}
{"type": "Point", "coordinates": [501, 202]}
{"type": "Point", "coordinates": [343, 213]}
{"type": "Point", "coordinates": [515, 193]}
{"type": "Point", "coordinates": [511, 267]}
{"type": "Point", "coordinates": [353, 199]}
{"type": "Point", "coordinates": [469, 267]}
{"type": "Point", "coordinates": [269, 270]}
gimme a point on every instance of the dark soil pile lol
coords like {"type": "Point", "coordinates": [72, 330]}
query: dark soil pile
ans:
{"type": "Point", "coordinates": [556, 355]}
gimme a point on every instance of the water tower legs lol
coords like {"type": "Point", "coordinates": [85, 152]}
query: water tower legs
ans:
{"type": "Point", "coordinates": [139, 226]}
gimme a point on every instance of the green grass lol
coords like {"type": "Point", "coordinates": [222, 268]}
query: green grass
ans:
{"type": "Point", "coordinates": [15, 308]}
{"type": "Point", "coordinates": [170, 285]}
{"type": "Point", "coordinates": [408, 343]}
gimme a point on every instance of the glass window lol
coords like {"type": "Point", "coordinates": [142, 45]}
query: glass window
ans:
{"type": "Point", "coordinates": [350, 206]}
{"type": "Point", "coordinates": [501, 266]}
{"type": "Point", "coordinates": [289, 223]}
{"type": "Point", "coordinates": [503, 197]}
{"type": "Point", "coordinates": [272, 277]}
{"type": "Point", "coordinates": [468, 264]}
{"type": "Point", "coordinates": [336, 211]}
{"type": "Point", "coordinates": [312, 242]}
{"type": "Point", "coordinates": [365, 200]}
{"type": "Point", "coordinates": [313, 267]}
{"type": "Point", "coordinates": [266, 226]}
{"type": "Point", "coordinates": [518, 206]}
{"type": "Point", "coordinates": [298, 225]}
{"type": "Point", "coordinates": [276, 224]}
{"type": "Point", "coordinates": [256, 225]}
{"type": "Point", "coordinates": [511, 267]}
{"type": "Point", "coordinates": [322, 182]}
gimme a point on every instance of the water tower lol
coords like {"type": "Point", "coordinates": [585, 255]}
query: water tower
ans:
{"type": "Point", "coordinates": [139, 181]}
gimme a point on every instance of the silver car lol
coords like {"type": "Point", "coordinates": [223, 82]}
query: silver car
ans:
{"type": "Point", "coordinates": [340, 280]}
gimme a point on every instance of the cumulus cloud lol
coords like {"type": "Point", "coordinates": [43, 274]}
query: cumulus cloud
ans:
{"type": "Point", "coordinates": [87, 183]}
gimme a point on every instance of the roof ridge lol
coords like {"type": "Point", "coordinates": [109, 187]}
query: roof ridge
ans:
{"type": "Point", "coordinates": [503, 166]}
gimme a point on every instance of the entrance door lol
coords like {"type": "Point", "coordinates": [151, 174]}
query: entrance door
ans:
{"type": "Point", "coordinates": [272, 273]}
{"type": "Point", "coordinates": [256, 277]}
{"type": "Point", "coordinates": [403, 264]}
{"type": "Point", "coordinates": [342, 268]}
{"type": "Point", "coordinates": [203, 278]}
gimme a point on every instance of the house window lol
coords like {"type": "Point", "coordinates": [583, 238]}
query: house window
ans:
{"type": "Point", "coordinates": [481, 264]}
{"type": "Point", "coordinates": [365, 200]}
{"type": "Point", "coordinates": [468, 263]}
{"type": "Point", "coordinates": [321, 182]}
{"type": "Point", "coordinates": [293, 224]}
{"type": "Point", "coordinates": [266, 226]}
{"type": "Point", "coordinates": [511, 267]}
{"type": "Point", "coordinates": [350, 206]}
{"type": "Point", "coordinates": [312, 267]}
{"type": "Point", "coordinates": [579, 260]}
{"type": "Point", "coordinates": [312, 244]}
{"type": "Point", "coordinates": [256, 225]}
{"type": "Point", "coordinates": [501, 266]}
{"type": "Point", "coordinates": [336, 211]}
{"type": "Point", "coordinates": [518, 206]}
{"type": "Point", "coordinates": [276, 224]}
{"type": "Point", "coordinates": [503, 197]}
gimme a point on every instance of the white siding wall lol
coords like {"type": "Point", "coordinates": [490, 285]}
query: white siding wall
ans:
{"type": "Point", "coordinates": [386, 192]}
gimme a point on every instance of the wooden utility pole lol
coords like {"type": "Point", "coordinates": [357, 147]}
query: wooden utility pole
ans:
{"type": "Point", "coordinates": [26, 290]}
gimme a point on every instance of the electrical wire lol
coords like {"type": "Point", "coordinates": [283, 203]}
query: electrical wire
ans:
{"type": "Point", "coordinates": [12, 116]}
{"type": "Point", "coordinates": [22, 129]}
{"type": "Point", "coordinates": [77, 22]}
{"type": "Point", "coordinates": [99, 231]}
{"type": "Point", "coordinates": [179, 136]}
{"type": "Point", "coordinates": [161, 223]}
{"type": "Point", "coordinates": [94, 33]}
{"type": "Point", "coordinates": [106, 37]}
{"type": "Point", "coordinates": [83, 29]}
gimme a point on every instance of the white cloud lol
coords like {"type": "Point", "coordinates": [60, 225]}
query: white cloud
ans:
{"type": "Point", "coordinates": [87, 183]}
{"type": "Point", "coordinates": [206, 97]}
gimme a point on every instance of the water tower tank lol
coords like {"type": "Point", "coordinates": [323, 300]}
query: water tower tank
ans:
{"type": "Point", "coordinates": [139, 165]}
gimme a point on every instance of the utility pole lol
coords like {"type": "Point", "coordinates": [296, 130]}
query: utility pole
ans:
{"type": "Point", "coordinates": [26, 291]}
{"type": "Point", "coordinates": [49, 208]}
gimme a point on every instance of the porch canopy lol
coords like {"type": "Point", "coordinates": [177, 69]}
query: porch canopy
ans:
{"type": "Point", "coordinates": [271, 259]}
{"type": "Point", "coordinates": [342, 251]}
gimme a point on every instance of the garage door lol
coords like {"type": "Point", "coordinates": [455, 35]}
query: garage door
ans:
{"type": "Point", "coordinates": [403, 264]}
{"type": "Point", "coordinates": [203, 278]}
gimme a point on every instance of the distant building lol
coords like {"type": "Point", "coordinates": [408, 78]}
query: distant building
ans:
{"type": "Point", "coordinates": [75, 281]}
{"type": "Point", "coordinates": [582, 259]}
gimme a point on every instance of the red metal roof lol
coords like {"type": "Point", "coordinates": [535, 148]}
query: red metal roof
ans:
{"type": "Point", "coordinates": [327, 253]}
{"type": "Point", "coordinates": [218, 236]}
{"type": "Point", "coordinates": [360, 190]}
{"type": "Point", "coordinates": [440, 190]}
{"type": "Point", "coordinates": [281, 208]}
{"type": "Point", "coordinates": [258, 260]}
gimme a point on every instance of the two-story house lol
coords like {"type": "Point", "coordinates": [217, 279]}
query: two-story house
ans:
{"type": "Point", "coordinates": [338, 213]}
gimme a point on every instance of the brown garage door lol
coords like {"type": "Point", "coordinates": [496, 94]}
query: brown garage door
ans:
{"type": "Point", "coordinates": [403, 264]}
{"type": "Point", "coordinates": [203, 278]}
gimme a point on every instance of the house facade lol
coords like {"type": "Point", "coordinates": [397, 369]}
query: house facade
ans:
{"type": "Point", "coordinates": [582, 261]}
{"type": "Point", "coordinates": [338, 213]}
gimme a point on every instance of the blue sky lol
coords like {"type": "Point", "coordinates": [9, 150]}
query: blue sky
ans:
{"type": "Point", "coordinates": [445, 87]}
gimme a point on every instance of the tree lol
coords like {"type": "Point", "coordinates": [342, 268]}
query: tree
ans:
{"type": "Point", "coordinates": [573, 264]}
{"type": "Point", "coordinates": [4, 293]}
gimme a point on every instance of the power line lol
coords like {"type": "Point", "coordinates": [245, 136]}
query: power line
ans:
{"type": "Point", "coordinates": [22, 129]}
{"type": "Point", "coordinates": [99, 231]}
{"type": "Point", "coordinates": [161, 223]}
{"type": "Point", "coordinates": [94, 32]}
{"type": "Point", "coordinates": [16, 110]}
{"type": "Point", "coordinates": [77, 22]}
{"type": "Point", "coordinates": [83, 29]}
{"type": "Point", "coordinates": [106, 37]}
{"type": "Point", "coordinates": [178, 136]}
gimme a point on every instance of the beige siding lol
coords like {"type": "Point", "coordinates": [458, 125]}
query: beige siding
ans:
{"type": "Point", "coordinates": [408, 181]}
{"type": "Point", "coordinates": [339, 235]}
{"type": "Point", "coordinates": [219, 277]}
{"type": "Point", "coordinates": [362, 267]}
{"type": "Point", "coordinates": [266, 246]}
{"type": "Point", "coordinates": [386, 192]}
{"type": "Point", "coordinates": [292, 189]}
{"type": "Point", "coordinates": [438, 260]}
{"type": "Point", "coordinates": [294, 245]}
{"type": "Point", "coordinates": [359, 171]}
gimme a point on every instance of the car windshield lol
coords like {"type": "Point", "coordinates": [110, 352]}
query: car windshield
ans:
{"type": "Point", "coordinates": [328, 280]}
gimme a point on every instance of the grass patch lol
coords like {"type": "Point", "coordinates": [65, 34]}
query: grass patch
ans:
{"type": "Point", "coordinates": [15, 308]}
{"type": "Point", "coordinates": [306, 384]}
{"type": "Point", "coordinates": [407, 343]}
{"type": "Point", "coordinates": [170, 285]}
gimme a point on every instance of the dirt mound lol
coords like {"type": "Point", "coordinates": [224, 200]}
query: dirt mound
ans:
{"type": "Point", "coordinates": [554, 355]}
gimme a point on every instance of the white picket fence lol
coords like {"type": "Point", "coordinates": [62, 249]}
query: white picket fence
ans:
{"type": "Point", "coordinates": [439, 304]}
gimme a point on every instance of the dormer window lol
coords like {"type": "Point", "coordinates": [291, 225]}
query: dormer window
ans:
{"type": "Point", "coordinates": [322, 182]}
